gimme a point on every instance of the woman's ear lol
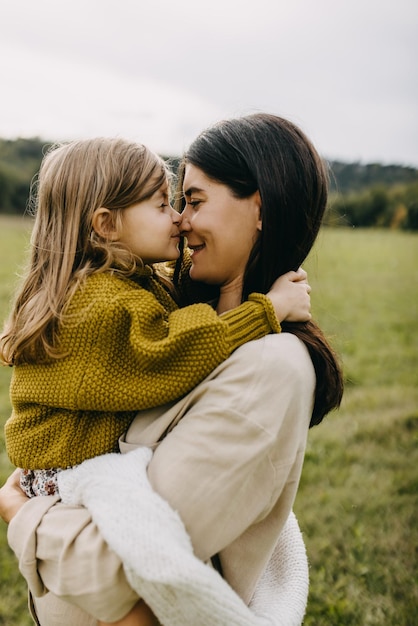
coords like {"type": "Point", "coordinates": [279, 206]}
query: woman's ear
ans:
{"type": "Point", "coordinates": [103, 224]}
{"type": "Point", "coordinates": [257, 198]}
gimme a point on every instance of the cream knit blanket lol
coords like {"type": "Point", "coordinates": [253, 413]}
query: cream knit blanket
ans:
{"type": "Point", "coordinates": [158, 558]}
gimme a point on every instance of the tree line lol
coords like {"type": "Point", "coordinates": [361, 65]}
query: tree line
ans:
{"type": "Point", "coordinates": [363, 195]}
{"type": "Point", "coordinates": [373, 195]}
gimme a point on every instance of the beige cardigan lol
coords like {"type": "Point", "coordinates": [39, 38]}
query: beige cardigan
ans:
{"type": "Point", "coordinates": [231, 467]}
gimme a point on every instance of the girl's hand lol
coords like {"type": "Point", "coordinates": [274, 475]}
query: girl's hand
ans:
{"type": "Point", "coordinates": [12, 497]}
{"type": "Point", "coordinates": [290, 297]}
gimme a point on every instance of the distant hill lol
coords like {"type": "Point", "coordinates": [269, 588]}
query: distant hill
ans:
{"type": "Point", "coordinates": [380, 191]}
{"type": "Point", "coordinates": [349, 177]}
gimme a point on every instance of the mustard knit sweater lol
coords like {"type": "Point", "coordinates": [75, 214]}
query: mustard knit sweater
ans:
{"type": "Point", "coordinates": [127, 347]}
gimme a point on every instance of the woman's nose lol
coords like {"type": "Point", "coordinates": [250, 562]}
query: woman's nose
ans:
{"type": "Point", "coordinates": [185, 222]}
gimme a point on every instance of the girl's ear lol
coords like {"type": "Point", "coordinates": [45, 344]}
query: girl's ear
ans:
{"type": "Point", "coordinates": [103, 224]}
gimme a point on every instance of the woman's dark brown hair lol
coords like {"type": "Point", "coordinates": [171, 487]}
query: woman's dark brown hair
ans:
{"type": "Point", "coordinates": [270, 154]}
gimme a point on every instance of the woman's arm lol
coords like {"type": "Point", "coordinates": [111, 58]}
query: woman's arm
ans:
{"type": "Point", "coordinates": [55, 545]}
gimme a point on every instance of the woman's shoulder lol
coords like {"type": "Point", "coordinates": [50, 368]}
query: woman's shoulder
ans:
{"type": "Point", "coordinates": [283, 352]}
{"type": "Point", "coordinates": [289, 349]}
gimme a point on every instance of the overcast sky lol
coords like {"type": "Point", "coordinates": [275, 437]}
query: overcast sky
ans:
{"type": "Point", "coordinates": [159, 71]}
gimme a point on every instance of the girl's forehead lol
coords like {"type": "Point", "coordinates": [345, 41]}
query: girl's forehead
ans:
{"type": "Point", "coordinates": [163, 189]}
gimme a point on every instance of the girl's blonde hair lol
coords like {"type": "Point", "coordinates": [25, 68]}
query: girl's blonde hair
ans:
{"type": "Point", "coordinates": [74, 180]}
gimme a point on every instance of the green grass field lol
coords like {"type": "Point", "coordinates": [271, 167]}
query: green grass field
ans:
{"type": "Point", "coordinates": [357, 503]}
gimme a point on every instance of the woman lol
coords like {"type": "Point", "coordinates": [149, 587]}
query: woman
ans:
{"type": "Point", "coordinates": [245, 427]}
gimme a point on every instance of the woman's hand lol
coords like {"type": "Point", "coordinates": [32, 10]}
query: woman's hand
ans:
{"type": "Point", "coordinates": [290, 297]}
{"type": "Point", "coordinates": [141, 615]}
{"type": "Point", "coordinates": [12, 497]}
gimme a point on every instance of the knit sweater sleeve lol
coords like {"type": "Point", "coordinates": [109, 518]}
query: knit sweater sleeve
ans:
{"type": "Point", "coordinates": [125, 348]}
{"type": "Point", "coordinates": [136, 355]}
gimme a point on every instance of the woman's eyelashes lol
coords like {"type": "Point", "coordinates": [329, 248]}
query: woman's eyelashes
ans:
{"type": "Point", "coordinates": [193, 203]}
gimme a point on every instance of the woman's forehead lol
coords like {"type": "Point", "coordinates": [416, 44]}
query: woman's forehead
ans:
{"type": "Point", "coordinates": [195, 180]}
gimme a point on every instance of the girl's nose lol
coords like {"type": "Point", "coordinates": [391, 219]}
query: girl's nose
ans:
{"type": "Point", "coordinates": [177, 217]}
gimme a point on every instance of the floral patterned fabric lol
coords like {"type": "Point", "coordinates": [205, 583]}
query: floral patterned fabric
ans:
{"type": "Point", "coordinates": [41, 482]}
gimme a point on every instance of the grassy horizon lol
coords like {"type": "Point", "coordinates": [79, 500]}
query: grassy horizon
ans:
{"type": "Point", "coordinates": [357, 502]}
